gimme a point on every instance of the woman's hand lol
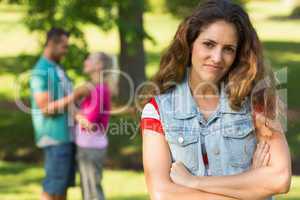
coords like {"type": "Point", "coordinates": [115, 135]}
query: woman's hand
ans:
{"type": "Point", "coordinates": [261, 156]}
{"type": "Point", "coordinates": [180, 175]}
{"type": "Point", "coordinates": [82, 90]}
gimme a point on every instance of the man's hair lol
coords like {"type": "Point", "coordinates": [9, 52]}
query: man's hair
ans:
{"type": "Point", "coordinates": [54, 34]}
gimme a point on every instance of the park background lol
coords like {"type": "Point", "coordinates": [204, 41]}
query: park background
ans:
{"type": "Point", "coordinates": [137, 32]}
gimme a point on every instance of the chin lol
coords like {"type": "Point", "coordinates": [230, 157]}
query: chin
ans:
{"type": "Point", "coordinates": [208, 78]}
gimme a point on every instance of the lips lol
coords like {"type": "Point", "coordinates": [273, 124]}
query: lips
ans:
{"type": "Point", "coordinates": [212, 67]}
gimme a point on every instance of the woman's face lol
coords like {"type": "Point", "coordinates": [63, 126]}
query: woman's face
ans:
{"type": "Point", "coordinates": [214, 51]}
{"type": "Point", "coordinates": [92, 64]}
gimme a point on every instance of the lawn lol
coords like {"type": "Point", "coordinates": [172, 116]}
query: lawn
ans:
{"type": "Point", "coordinates": [18, 52]}
{"type": "Point", "coordinates": [24, 180]}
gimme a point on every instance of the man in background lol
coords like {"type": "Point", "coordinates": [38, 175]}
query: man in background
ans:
{"type": "Point", "coordinates": [51, 96]}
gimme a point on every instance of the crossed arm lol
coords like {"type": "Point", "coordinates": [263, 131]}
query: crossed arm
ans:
{"type": "Point", "coordinates": [157, 165]}
{"type": "Point", "coordinates": [274, 177]}
{"type": "Point", "coordinates": [271, 176]}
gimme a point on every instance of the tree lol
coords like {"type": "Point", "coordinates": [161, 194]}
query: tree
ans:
{"type": "Point", "coordinates": [182, 8]}
{"type": "Point", "coordinates": [72, 14]}
{"type": "Point", "coordinates": [132, 54]}
{"type": "Point", "coordinates": [42, 15]}
{"type": "Point", "coordinates": [296, 11]}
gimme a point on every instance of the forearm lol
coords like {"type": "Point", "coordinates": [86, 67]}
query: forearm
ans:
{"type": "Point", "coordinates": [254, 184]}
{"type": "Point", "coordinates": [171, 191]}
{"type": "Point", "coordinates": [57, 106]}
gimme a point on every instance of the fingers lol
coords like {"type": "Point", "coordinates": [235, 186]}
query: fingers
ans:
{"type": "Point", "coordinates": [264, 153]}
{"type": "Point", "coordinates": [261, 156]}
{"type": "Point", "coordinates": [266, 160]}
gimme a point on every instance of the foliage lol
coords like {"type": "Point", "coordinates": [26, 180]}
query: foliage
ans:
{"type": "Point", "coordinates": [296, 13]}
{"type": "Point", "coordinates": [70, 15]}
{"type": "Point", "coordinates": [182, 8]}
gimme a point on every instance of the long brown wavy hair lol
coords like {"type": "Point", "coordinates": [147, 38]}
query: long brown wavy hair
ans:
{"type": "Point", "coordinates": [247, 69]}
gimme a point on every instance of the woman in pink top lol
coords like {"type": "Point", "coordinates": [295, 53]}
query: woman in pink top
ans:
{"type": "Point", "coordinates": [92, 123]}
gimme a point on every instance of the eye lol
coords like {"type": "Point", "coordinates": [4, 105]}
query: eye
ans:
{"type": "Point", "coordinates": [208, 44]}
{"type": "Point", "coordinates": [229, 50]}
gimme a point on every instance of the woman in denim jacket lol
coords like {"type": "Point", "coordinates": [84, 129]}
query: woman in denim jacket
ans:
{"type": "Point", "coordinates": [205, 134]}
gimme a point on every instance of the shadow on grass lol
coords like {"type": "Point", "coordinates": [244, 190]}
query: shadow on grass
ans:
{"type": "Point", "coordinates": [275, 51]}
{"type": "Point", "coordinates": [284, 18]}
{"type": "Point", "coordinates": [24, 62]}
{"type": "Point", "coordinates": [287, 47]}
{"type": "Point", "coordinates": [17, 140]}
{"type": "Point", "coordinates": [16, 177]}
{"type": "Point", "coordinates": [17, 64]}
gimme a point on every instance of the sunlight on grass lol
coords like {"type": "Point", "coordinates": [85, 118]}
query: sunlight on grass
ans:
{"type": "Point", "coordinates": [101, 41]}
{"type": "Point", "coordinates": [279, 30]}
{"type": "Point", "coordinates": [117, 184]}
{"type": "Point", "coordinates": [294, 193]}
{"type": "Point", "coordinates": [7, 85]}
{"type": "Point", "coordinates": [265, 9]}
{"type": "Point", "coordinates": [269, 19]}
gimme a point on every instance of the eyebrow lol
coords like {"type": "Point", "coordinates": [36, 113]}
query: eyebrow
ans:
{"type": "Point", "coordinates": [214, 42]}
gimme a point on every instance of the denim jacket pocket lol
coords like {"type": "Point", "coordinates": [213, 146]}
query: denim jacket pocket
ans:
{"type": "Point", "coordinates": [184, 148]}
{"type": "Point", "coordinates": [240, 142]}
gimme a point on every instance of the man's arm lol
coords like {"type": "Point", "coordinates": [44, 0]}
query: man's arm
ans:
{"type": "Point", "coordinates": [157, 164]}
{"type": "Point", "coordinates": [49, 107]}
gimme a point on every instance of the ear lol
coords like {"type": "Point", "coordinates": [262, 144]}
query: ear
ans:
{"type": "Point", "coordinates": [99, 65]}
{"type": "Point", "coordinates": [51, 44]}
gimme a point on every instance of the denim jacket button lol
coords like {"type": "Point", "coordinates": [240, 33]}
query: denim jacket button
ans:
{"type": "Point", "coordinates": [180, 140]}
{"type": "Point", "coordinates": [217, 151]}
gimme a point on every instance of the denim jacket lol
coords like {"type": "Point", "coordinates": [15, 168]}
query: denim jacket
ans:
{"type": "Point", "coordinates": [228, 135]}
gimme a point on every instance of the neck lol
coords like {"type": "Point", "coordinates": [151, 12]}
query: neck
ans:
{"type": "Point", "coordinates": [202, 89]}
{"type": "Point", "coordinates": [96, 77]}
{"type": "Point", "coordinates": [47, 54]}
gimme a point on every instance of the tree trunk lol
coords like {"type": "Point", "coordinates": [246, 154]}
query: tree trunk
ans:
{"type": "Point", "coordinates": [132, 54]}
{"type": "Point", "coordinates": [296, 11]}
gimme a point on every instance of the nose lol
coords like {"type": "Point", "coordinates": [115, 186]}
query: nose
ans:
{"type": "Point", "coordinates": [216, 55]}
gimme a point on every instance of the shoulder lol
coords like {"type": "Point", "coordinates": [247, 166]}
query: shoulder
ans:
{"type": "Point", "coordinates": [150, 118]}
{"type": "Point", "coordinates": [165, 99]}
{"type": "Point", "coordinates": [151, 110]}
{"type": "Point", "coordinates": [42, 67]}
{"type": "Point", "coordinates": [43, 63]}
{"type": "Point", "coordinates": [102, 89]}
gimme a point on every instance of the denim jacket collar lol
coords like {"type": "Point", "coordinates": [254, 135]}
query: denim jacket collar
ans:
{"type": "Point", "coordinates": [184, 105]}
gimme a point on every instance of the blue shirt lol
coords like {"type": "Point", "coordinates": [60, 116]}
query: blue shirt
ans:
{"type": "Point", "coordinates": [45, 78]}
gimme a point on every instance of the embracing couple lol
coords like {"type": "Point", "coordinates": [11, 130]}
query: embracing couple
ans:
{"type": "Point", "coordinates": [70, 124]}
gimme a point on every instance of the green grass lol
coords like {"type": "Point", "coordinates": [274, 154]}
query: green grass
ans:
{"type": "Point", "coordinates": [118, 184]}
{"type": "Point", "coordinates": [23, 182]}
{"type": "Point", "coordinates": [17, 139]}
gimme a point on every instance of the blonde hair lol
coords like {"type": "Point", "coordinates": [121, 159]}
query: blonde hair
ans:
{"type": "Point", "coordinates": [110, 66]}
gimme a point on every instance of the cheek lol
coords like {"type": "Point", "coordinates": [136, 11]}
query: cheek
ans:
{"type": "Point", "coordinates": [86, 66]}
{"type": "Point", "coordinates": [199, 54]}
{"type": "Point", "coordinates": [229, 60]}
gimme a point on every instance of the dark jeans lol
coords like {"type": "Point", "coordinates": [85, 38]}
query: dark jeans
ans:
{"type": "Point", "coordinates": [60, 168]}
